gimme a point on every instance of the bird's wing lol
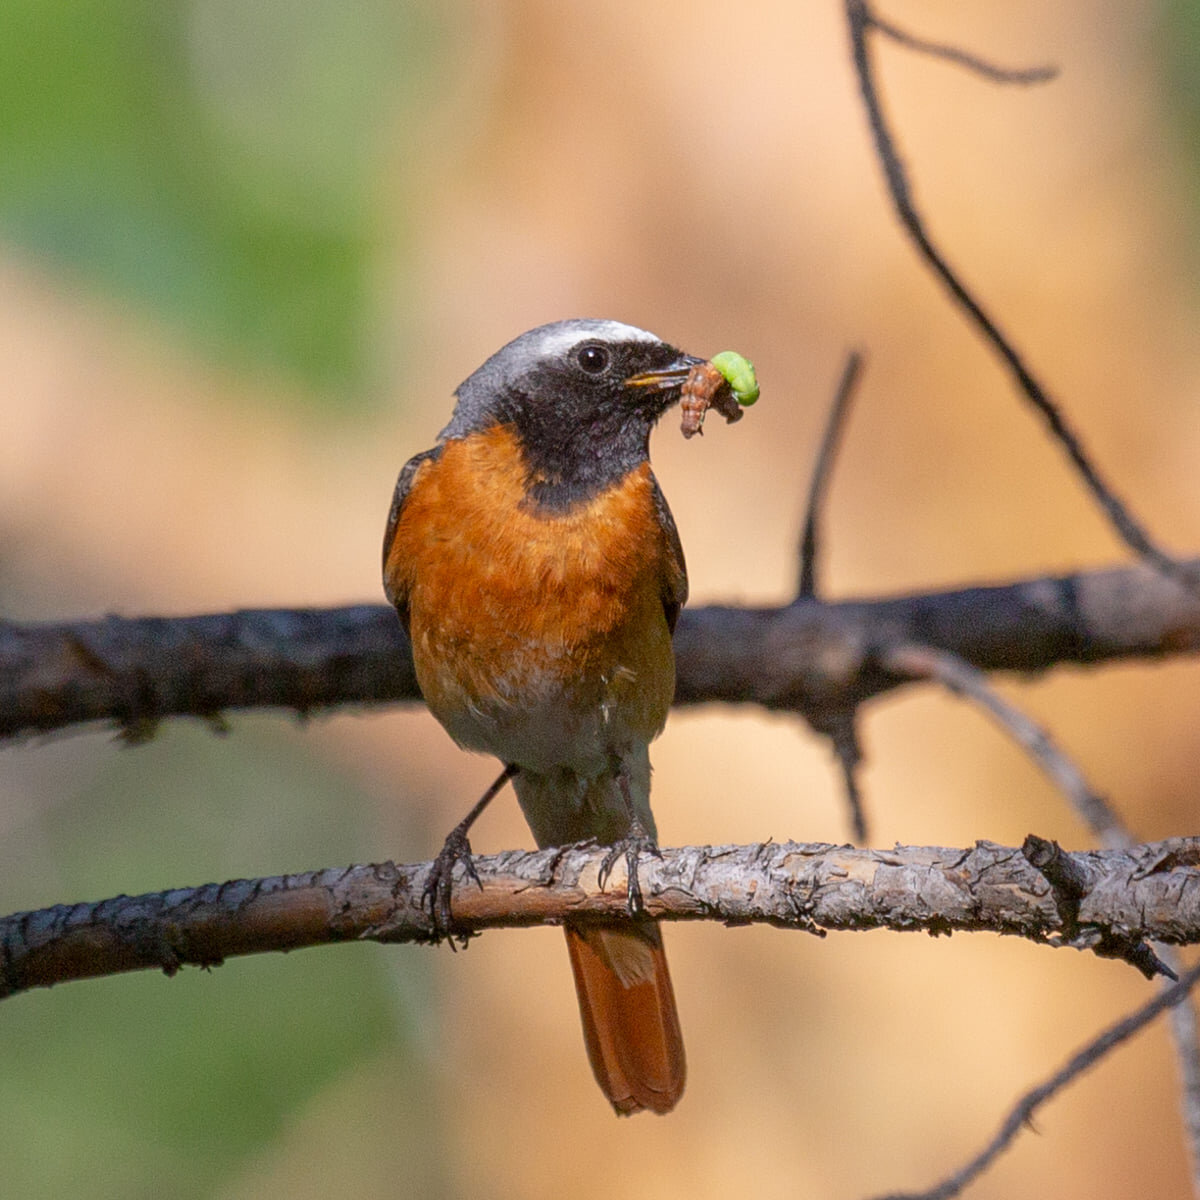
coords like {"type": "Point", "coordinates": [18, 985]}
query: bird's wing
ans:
{"type": "Point", "coordinates": [675, 580]}
{"type": "Point", "coordinates": [404, 484]}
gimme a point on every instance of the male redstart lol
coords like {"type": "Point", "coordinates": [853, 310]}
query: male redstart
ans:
{"type": "Point", "coordinates": [537, 570]}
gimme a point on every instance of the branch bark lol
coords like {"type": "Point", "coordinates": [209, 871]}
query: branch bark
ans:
{"type": "Point", "coordinates": [810, 657]}
{"type": "Point", "coordinates": [1118, 899]}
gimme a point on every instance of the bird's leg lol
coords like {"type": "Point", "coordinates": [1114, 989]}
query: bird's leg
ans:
{"type": "Point", "coordinates": [457, 849]}
{"type": "Point", "coordinates": [637, 840]}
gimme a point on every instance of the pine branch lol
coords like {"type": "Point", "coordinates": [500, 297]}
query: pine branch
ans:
{"type": "Point", "coordinates": [1116, 900]}
{"type": "Point", "coordinates": [810, 657]}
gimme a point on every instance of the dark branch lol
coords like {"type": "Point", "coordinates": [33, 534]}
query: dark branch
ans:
{"type": "Point", "coordinates": [1149, 893]}
{"type": "Point", "coordinates": [808, 657]}
{"type": "Point", "coordinates": [861, 20]}
{"type": "Point", "coordinates": [137, 671]}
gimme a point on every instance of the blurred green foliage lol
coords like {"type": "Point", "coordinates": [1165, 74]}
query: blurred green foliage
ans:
{"type": "Point", "coordinates": [215, 162]}
{"type": "Point", "coordinates": [142, 1086]}
{"type": "Point", "coordinates": [220, 167]}
{"type": "Point", "coordinates": [1178, 51]}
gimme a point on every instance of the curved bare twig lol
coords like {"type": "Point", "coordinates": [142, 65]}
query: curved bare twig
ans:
{"type": "Point", "coordinates": [1021, 1114]}
{"type": "Point", "coordinates": [861, 20]}
{"type": "Point", "coordinates": [806, 587]}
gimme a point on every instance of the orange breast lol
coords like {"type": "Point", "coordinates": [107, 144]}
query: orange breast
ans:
{"type": "Point", "coordinates": [539, 637]}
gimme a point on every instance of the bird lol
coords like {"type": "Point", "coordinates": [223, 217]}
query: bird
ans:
{"type": "Point", "coordinates": [538, 572]}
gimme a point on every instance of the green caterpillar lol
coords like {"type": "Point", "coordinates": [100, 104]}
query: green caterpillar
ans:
{"type": "Point", "coordinates": [739, 374]}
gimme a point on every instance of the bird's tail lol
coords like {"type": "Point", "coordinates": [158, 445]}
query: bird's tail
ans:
{"type": "Point", "coordinates": [625, 998]}
{"type": "Point", "coordinates": [629, 1020]}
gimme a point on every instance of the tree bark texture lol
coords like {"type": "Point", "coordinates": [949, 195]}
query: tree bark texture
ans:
{"type": "Point", "coordinates": [1105, 901]}
{"type": "Point", "coordinates": [814, 658]}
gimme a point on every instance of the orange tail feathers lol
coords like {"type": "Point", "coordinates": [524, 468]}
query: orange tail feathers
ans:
{"type": "Point", "coordinates": [629, 1020]}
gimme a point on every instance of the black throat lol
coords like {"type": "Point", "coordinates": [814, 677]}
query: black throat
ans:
{"type": "Point", "coordinates": [570, 461]}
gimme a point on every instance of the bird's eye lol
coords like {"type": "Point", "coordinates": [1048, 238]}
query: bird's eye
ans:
{"type": "Point", "coordinates": [592, 358]}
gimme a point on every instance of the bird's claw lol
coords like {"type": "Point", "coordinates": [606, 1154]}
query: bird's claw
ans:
{"type": "Point", "coordinates": [439, 886]}
{"type": "Point", "coordinates": [631, 847]}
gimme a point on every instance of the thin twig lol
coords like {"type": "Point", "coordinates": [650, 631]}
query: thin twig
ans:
{"type": "Point", "coordinates": [1022, 1112]}
{"type": "Point", "coordinates": [963, 679]}
{"type": "Point", "coordinates": [962, 58]}
{"type": "Point", "coordinates": [843, 732]}
{"type": "Point", "coordinates": [822, 473]}
{"type": "Point", "coordinates": [1187, 1051]}
{"type": "Point", "coordinates": [840, 726]}
{"type": "Point", "coordinates": [861, 20]}
{"type": "Point", "coordinates": [1106, 824]}
{"type": "Point", "coordinates": [837, 724]}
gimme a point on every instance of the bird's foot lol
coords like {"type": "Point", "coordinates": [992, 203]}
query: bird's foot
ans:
{"type": "Point", "coordinates": [457, 849]}
{"type": "Point", "coordinates": [635, 843]}
{"type": "Point", "coordinates": [439, 886]}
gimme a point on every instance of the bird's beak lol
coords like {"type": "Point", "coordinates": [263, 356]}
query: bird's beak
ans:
{"type": "Point", "coordinates": [666, 378]}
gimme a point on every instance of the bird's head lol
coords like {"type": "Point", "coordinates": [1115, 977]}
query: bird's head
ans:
{"type": "Point", "coordinates": [581, 397]}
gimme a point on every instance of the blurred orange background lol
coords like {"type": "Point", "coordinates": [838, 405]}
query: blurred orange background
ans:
{"type": "Point", "coordinates": [702, 170]}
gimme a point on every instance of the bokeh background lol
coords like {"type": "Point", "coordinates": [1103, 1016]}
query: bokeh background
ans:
{"type": "Point", "coordinates": [246, 253]}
